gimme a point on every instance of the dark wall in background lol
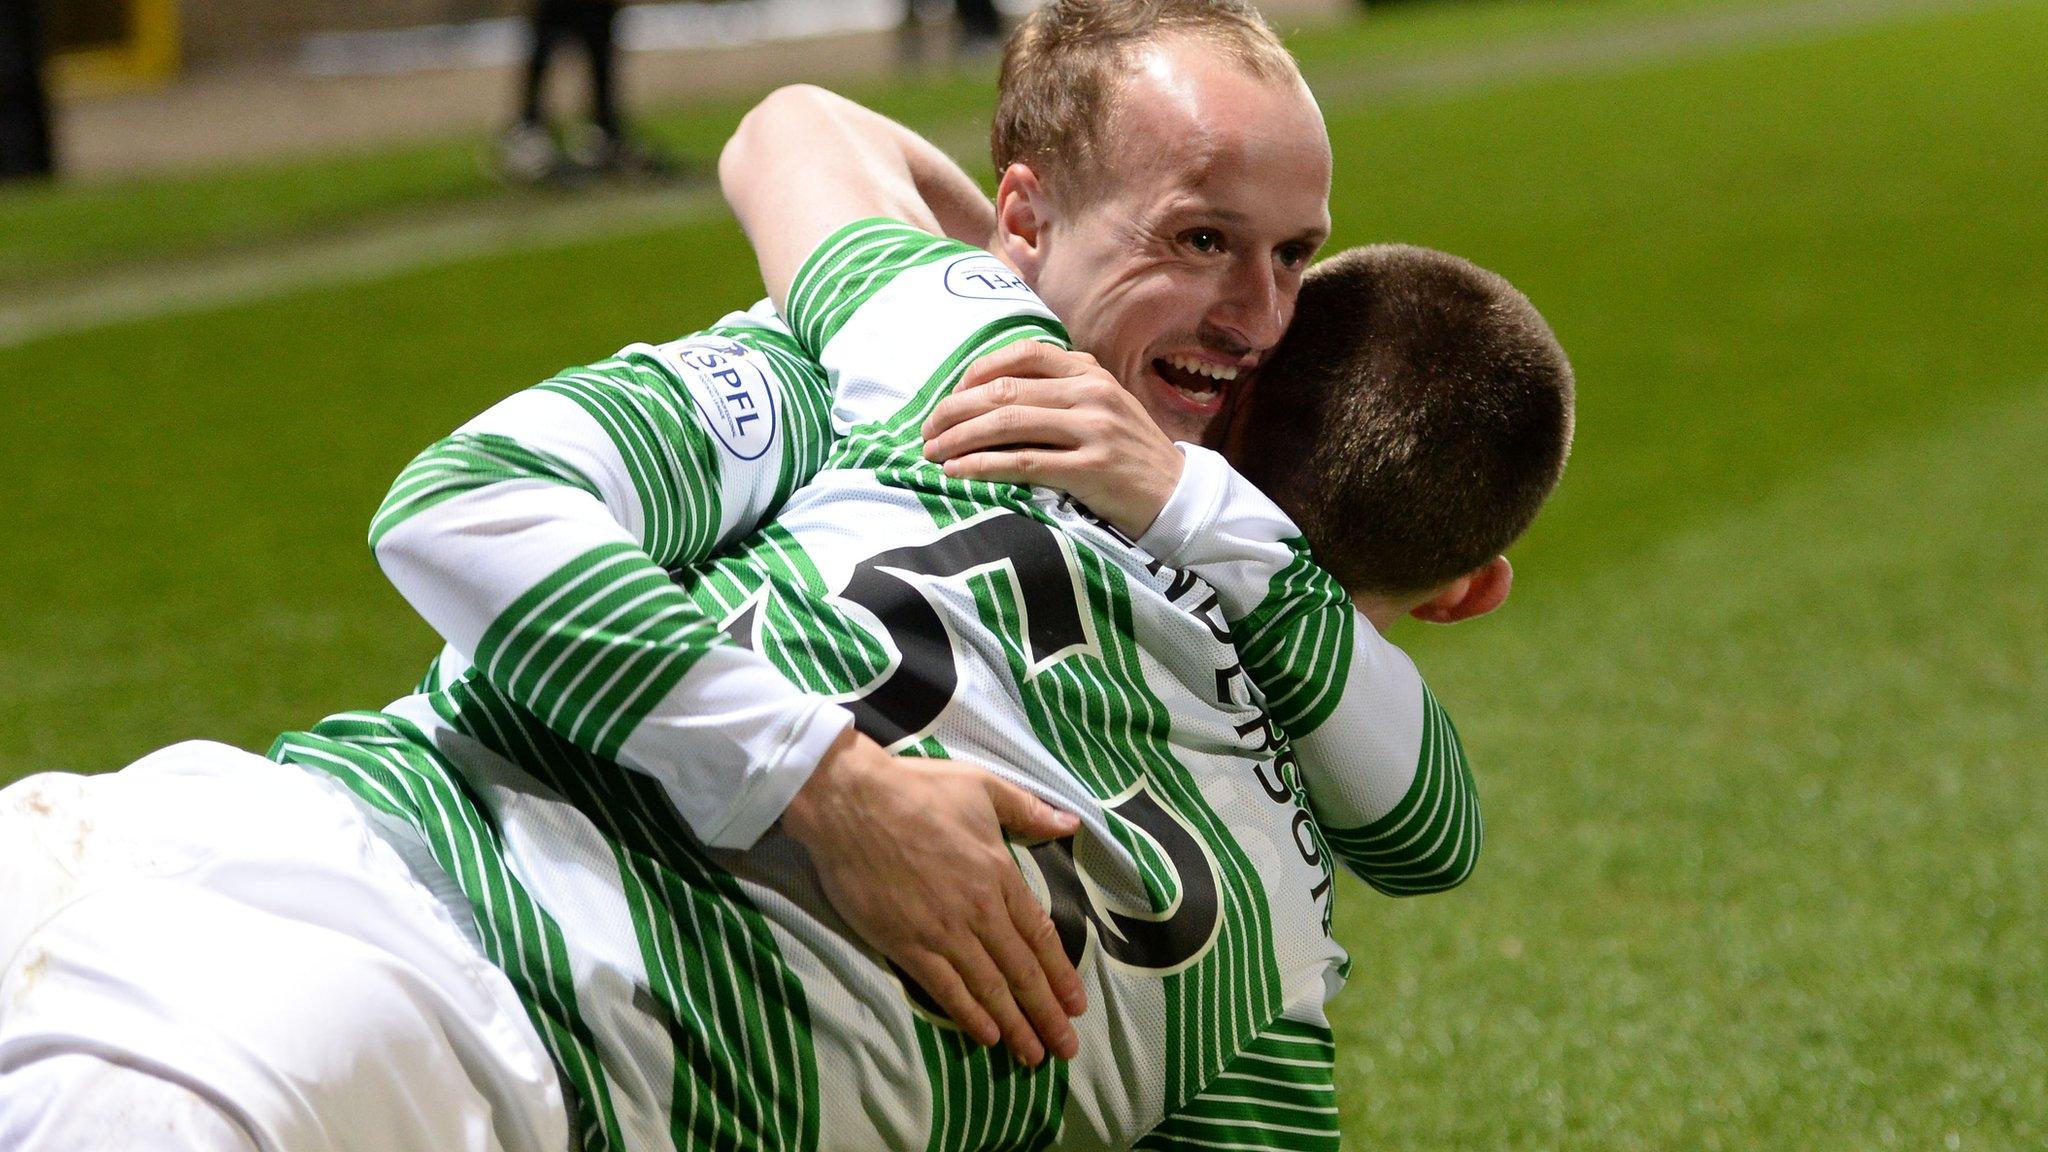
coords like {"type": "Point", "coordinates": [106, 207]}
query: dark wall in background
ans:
{"type": "Point", "coordinates": [69, 24]}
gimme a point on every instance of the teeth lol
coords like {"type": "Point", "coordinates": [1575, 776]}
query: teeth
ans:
{"type": "Point", "coordinates": [1202, 368]}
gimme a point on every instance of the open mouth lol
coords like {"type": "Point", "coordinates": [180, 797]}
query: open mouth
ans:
{"type": "Point", "coordinates": [1199, 385]}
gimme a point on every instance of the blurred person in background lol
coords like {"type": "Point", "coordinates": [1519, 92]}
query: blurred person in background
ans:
{"type": "Point", "coordinates": [532, 151]}
{"type": "Point", "coordinates": [977, 30]}
{"type": "Point", "coordinates": [980, 27]}
{"type": "Point", "coordinates": [24, 109]}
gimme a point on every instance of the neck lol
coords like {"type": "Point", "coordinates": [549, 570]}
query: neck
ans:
{"type": "Point", "coordinates": [1380, 610]}
{"type": "Point", "coordinates": [994, 245]}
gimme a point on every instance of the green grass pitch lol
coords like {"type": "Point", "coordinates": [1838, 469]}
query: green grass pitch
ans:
{"type": "Point", "coordinates": [1760, 736]}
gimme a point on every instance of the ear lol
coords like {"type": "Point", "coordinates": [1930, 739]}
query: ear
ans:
{"type": "Point", "coordinates": [1474, 594]}
{"type": "Point", "coordinates": [1023, 216]}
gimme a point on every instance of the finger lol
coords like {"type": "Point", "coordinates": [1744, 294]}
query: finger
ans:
{"type": "Point", "coordinates": [1009, 467]}
{"type": "Point", "coordinates": [1031, 991]}
{"type": "Point", "coordinates": [1035, 925]}
{"type": "Point", "coordinates": [991, 989]}
{"type": "Point", "coordinates": [1023, 814]}
{"type": "Point", "coordinates": [992, 396]}
{"type": "Point", "coordinates": [1024, 358]}
{"type": "Point", "coordinates": [944, 986]}
{"type": "Point", "coordinates": [1004, 393]}
{"type": "Point", "coordinates": [1033, 970]}
{"type": "Point", "coordinates": [1040, 427]}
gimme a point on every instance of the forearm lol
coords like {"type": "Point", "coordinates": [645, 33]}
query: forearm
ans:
{"type": "Point", "coordinates": [577, 626]}
{"type": "Point", "coordinates": [1292, 623]}
{"type": "Point", "coordinates": [805, 162]}
{"type": "Point", "coordinates": [537, 542]}
{"type": "Point", "coordinates": [1383, 767]}
{"type": "Point", "coordinates": [962, 210]}
{"type": "Point", "coordinates": [1428, 839]}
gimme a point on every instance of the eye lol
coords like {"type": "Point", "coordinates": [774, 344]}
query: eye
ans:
{"type": "Point", "coordinates": [1294, 255]}
{"type": "Point", "coordinates": [1204, 240]}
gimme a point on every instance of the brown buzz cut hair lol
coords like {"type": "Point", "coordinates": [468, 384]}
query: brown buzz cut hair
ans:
{"type": "Point", "coordinates": [1414, 419]}
{"type": "Point", "coordinates": [1065, 65]}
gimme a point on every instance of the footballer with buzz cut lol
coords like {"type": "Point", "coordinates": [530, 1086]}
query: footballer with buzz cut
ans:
{"type": "Point", "coordinates": [174, 966]}
{"type": "Point", "coordinates": [572, 799]}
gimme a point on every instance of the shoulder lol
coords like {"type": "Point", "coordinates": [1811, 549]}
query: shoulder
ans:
{"type": "Point", "coordinates": [873, 267]}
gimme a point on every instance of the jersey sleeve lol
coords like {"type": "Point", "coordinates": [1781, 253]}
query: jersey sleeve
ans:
{"type": "Point", "coordinates": [1384, 770]}
{"type": "Point", "coordinates": [537, 538]}
{"type": "Point", "coordinates": [895, 315]}
{"type": "Point", "coordinates": [1280, 1092]}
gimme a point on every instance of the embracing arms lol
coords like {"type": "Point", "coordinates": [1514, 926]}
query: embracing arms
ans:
{"type": "Point", "coordinates": [1384, 769]}
{"type": "Point", "coordinates": [538, 540]}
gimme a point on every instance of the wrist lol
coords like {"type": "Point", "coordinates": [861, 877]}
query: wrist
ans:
{"type": "Point", "coordinates": [1151, 496]}
{"type": "Point", "coordinates": [1187, 505]}
{"type": "Point", "coordinates": [813, 804]}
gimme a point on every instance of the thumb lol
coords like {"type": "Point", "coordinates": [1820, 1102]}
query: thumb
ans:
{"type": "Point", "coordinates": [1026, 816]}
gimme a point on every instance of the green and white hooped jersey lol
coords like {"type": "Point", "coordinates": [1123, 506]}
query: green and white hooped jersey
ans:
{"type": "Point", "coordinates": [588, 778]}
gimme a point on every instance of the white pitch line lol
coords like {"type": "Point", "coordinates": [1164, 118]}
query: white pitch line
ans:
{"type": "Point", "coordinates": [378, 253]}
{"type": "Point", "coordinates": [351, 258]}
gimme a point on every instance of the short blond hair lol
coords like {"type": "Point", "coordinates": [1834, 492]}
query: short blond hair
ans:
{"type": "Point", "coordinates": [1065, 66]}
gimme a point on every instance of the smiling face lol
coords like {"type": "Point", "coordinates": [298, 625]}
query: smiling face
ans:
{"type": "Point", "coordinates": [1177, 262]}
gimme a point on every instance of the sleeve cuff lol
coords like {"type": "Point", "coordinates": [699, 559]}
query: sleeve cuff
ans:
{"type": "Point", "coordinates": [769, 789]}
{"type": "Point", "coordinates": [731, 743]}
{"type": "Point", "coordinates": [1204, 479]}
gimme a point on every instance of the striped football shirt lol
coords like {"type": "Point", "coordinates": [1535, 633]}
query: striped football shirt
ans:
{"type": "Point", "coordinates": [641, 676]}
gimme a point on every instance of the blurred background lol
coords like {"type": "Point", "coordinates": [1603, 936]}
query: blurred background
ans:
{"type": "Point", "coordinates": [1760, 738]}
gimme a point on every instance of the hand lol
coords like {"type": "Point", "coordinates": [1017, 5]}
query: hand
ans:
{"type": "Point", "coordinates": [910, 852]}
{"type": "Point", "coordinates": [1030, 413]}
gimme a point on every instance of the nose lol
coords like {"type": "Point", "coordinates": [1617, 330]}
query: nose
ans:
{"type": "Point", "coordinates": [1253, 310]}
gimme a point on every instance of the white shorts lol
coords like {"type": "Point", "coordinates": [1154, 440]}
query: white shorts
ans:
{"type": "Point", "coordinates": [228, 934]}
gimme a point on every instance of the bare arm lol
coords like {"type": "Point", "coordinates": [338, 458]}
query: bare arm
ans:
{"type": "Point", "coordinates": [806, 162]}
